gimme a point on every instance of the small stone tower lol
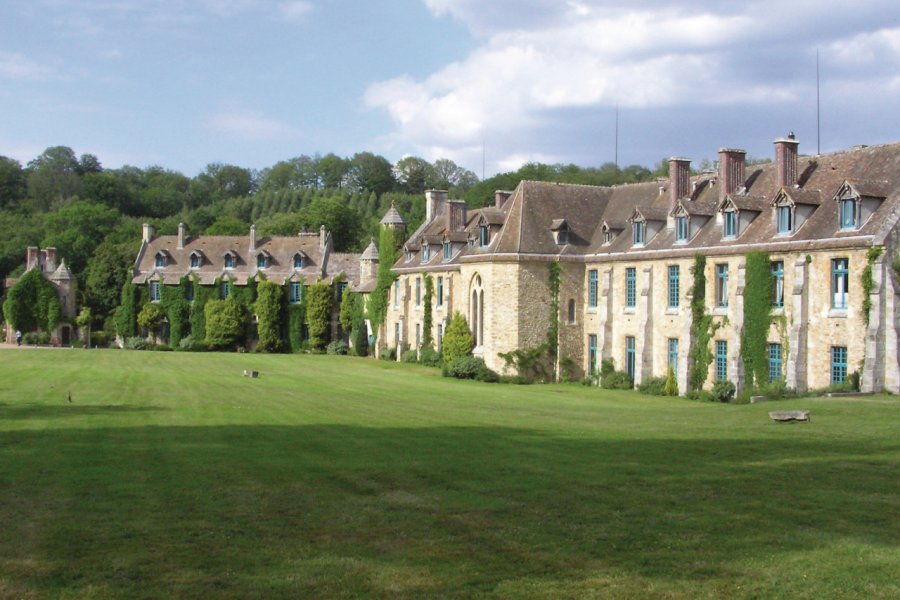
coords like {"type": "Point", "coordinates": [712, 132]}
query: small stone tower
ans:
{"type": "Point", "coordinates": [368, 264]}
{"type": "Point", "coordinates": [393, 220]}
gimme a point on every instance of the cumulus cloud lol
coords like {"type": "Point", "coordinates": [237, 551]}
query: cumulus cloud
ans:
{"type": "Point", "coordinates": [295, 10]}
{"type": "Point", "coordinates": [248, 125]}
{"type": "Point", "coordinates": [14, 65]}
{"type": "Point", "coordinates": [540, 61]}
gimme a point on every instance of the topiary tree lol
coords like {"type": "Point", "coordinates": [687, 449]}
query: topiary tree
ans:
{"type": "Point", "coordinates": [269, 311]}
{"type": "Point", "coordinates": [457, 339]}
{"type": "Point", "coordinates": [151, 318]}
{"type": "Point", "coordinates": [671, 388]}
{"type": "Point", "coordinates": [226, 321]}
{"type": "Point", "coordinates": [318, 314]}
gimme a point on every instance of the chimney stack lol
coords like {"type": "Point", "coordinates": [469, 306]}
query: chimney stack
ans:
{"type": "Point", "coordinates": [786, 161]}
{"type": "Point", "coordinates": [433, 201]}
{"type": "Point", "coordinates": [180, 245]}
{"type": "Point", "coordinates": [49, 259]}
{"type": "Point", "coordinates": [679, 180]}
{"type": "Point", "coordinates": [456, 215]}
{"type": "Point", "coordinates": [731, 170]}
{"type": "Point", "coordinates": [500, 198]}
{"type": "Point", "coordinates": [148, 232]}
{"type": "Point", "coordinates": [322, 235]}
{"type": "Point", "coordinates": [32, 259]}
{"type": "Point", "coordinates": [253, 238]}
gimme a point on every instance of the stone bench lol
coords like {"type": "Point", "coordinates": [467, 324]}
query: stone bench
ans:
{"type": "Point", "coordinates": [784, 416]}
{"type": "Point", "coordinates": [249, 373]}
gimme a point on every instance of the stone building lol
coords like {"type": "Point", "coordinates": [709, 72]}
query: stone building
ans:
{"type": "Point", "coordinates": [66, 286]}
{"type": "Point", "coordinates": [626, 256]}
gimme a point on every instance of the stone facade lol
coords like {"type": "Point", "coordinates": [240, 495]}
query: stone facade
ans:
{"type": "Point", "coordinates": [66, 286]}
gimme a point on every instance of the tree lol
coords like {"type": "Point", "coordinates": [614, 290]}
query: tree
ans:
{"type": "Point", "coordinates": [227, 226]}
{"type": "Point", "coordinates": [372, 173]}
{"type": "Point", "coordinates": [387, 256]}
{"type": "Point", "coordinates": [225, 322]}
{"type": "Point", "coordinates": [106, 273]}
{"type": "Point", "coordinates": [12, 182]}
{"type": "Point", "coordinates": [53, 177]}
{"type": "Point", "coordinates": [151, 318]}
{"type": "Point", "coordinates": [333, 171]}
{"type": "Point", "coordinates": [457, 339]}
{"type": "Point", "coordinates": [111, 190]}
{"type": "Point", "coordinates": [343, 222]}
{"type": "Point", "coordinates": [83, 321]}
{"type": "Point", "coordinates": [89, 163]}
{"type": "Point", "coordinates": [446, 174]}
{"type": "Point", "coordinates": [413, 174]}
{"type": "Point", "coordinates": [74, 230]}
{"type": "Point", "coordinates": [318, 313]}
{"type": "Point", "coordinates": [268, 308]}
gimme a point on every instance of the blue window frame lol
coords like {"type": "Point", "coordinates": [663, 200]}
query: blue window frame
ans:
{"type": "Point", "coordinates": [426, 253]}
{"type": "Point", "coordinates": [630, 357]}
{"type": "Point", "coordinates": [673, 354]}
{"type": "Point", "coordinates": [298, 261]}
{"type": "Point", "coordinates": [341, 288]}
{"type": "Point", "coordinates": [630, 287]}
{"type": "Point", "coordinates": [397, 293]}
{"type": "Point", "coordinates": [224, 289]}
{"type": "Point", "coordinates": [485, 235]}
{"type": "Point", "coordinates": [682, 228]}
{"type": "Point", "coordinates": [440, 291]}
{"type": "Point", "coordinates": [840, 281]}
{"type": "Point", "coordinates": [778, 283]}
{"type": "Point", "coordinates": [674, 285]}
{"type": "Point", "coordinates": [296, 292]}
{"type": "Point", "coordinates": [838, 364]}
{"type": "Point", "coordinates": [154, 291]}
{"type": "Point", "coordinates": [448, 251]}
{"type": "Point", "coordinates": [261, 262]}
{"type": "Point", "coordinates": [160, 260]}
{"type": "Point", "coordinates": [639, 232]}
{"type": "Point", "coordinates": [774, 362]}
{"type": "Point", "coordinates": [229, 261]}
{"type": "Point", "coordinates": [195, 261]}
{"type": "Point", "coordinates": [849, 214]}
{"type": "Point", "coordinates": [729, 224]}
{"type": "Point", "coordinates": [189, 292]}
{"type": "Point", "coordinates": [418, 291]}
{"type": "Point", "coordinates": [592, 353]}
{"type": "Point", "coordinates": [785, 219]}
{"type": "Point", "coordinates": [722, 285]}
{"type": "Point", "coordinates": [721, 360]}
{"type": "Point", "coordinates": [593, 281]}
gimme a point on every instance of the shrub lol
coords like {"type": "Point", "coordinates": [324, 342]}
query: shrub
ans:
{"type": "Point", "coordinates": [410, 356]}
{"type": "Point", "coordinates": [225, 323]}
{"type": "Point", "coordinates": [162, 348]}
{"type": "Point", "coordinates": [429, 357]}
{"type": "Point", "coordinates": [723, 391]}
{"type": "Point", "coordinates": [43, 338]}
{"type": "Point", "coordinates": [533, 364]}
{"type": "Point", "coordinates": [515, 380]}
{"type": "Point", "coordinates": [31, 338]}
{"type": "Point", "coordinates": [671, 388]}
{"type": "Point", "coordinates": [701, 395]}
{"type": "Point", "coordinates": [457, 339]}
{"type": "Point", "coordinates": [469, 367]}
{"type": "Point", "coordinates": [151, 317]}
{"type": "Point", "coordinates": [654, 386]}
{"type": "Point", "coordinates": [318, 313]}
{"type": "Point", "coordinates": [268, 309]}
{"type": "Point", "coordinates": [99, 339]}
{"type": "Point", "coordinates": [188, 344]}
{"type": "Point", "coordinates": [389, 354]}
{"type": "Point", "coordinates": [337, 347]}
{"type": "Point", "coordinates": [137, 343]}
{"type": "Point", "coordinates": [77, 343]}
{"type": "Point", "coordinates": [610, 379]}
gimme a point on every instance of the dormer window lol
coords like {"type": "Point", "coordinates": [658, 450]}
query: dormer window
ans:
{"type": "Point", "coordinates": [262, 261]}
{"type": "Point", "coordinates": [682, 228]}
{"type": "Point", "coordinates": [229, 261]}
{"type": "Point", "coordinates": [485, 235]}
{"type": "Point", "coordinates": [849, 213]}
{"type": "Point", "coordinates": [195, 260]}
{"type": "Point", "coordinates": [160, 260]}
{"type": "Point", "coordinates": [729, 224]}
{"type": "Point", "coordinates": [298, 261]}
{"type": "Point", "coordinates": [639, 233]}
{"type": "Point", "coordinates": [426, 253]}
{"type": "Point", "coordinates": [784, 218]}
{"type": "Point", "coordinates": [448, 250]}
{"type": "Point", "coordinates": [608, 234]}
{"type": "Point", "coordinates": [409, 255]}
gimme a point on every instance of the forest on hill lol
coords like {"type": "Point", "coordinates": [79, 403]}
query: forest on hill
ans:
{"type": "Point", "coordinates": [93, 215]}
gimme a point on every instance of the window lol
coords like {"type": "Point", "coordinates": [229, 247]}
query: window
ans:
{"type": "Point", "coordinates": [160, 259]}
{"type": "Point", "coordinates": [630, 287]}
{"type": "Point", "coordinates": [849, 214]}
{"type": "Point", "coordinates": [195, 261]}
{"type": "Point", "coordinates": [592, 288]}
{"type": "Point", "coordinates": [681, 228]}
{"type": "Point", "coordinates": [296, 292]}
{"type": "Point", "coordinates": [785, 219]}
{"type": "Point", "coordinates": [189, 292]}
{"type": "Point", "coordinates": [426, 253]}
{"type": "Point", "coordinates": [471, 242]}
{"type": "Point", "coordinates": [229, 261]}
{"type": "Point", "coordinates": [571, 311]}
{"type": "Point", "coordinates": [673, 354]}
{"type": "Point", "coordinates": [562, 236]}
{"type": "Point", "coordinates": [397, 293]}
{"type": "Point", "coordinates": [630, 357]}
{"type": "Point", "coordinates": [838, 364]}
{"type": "Point", "coordinates": [298, 261]}
{"type": "Point", "coordinates": [778, 287]}
{"type": "Point", "coordinates": [592, 354]}
{"type": "Point", "coordinates": [448, 251]}
{"type": "Point", "coordinates": [261, 262]}
{"type": "Point", "coordinates": [440, 291]}
{"type": "Point", "coordinates": [674, 285]}
{"type": "Point", "coordinates": [639, 233]}
{"type": "Point", "coordinates": [722, 285]}
{"type": "Point", "coordinates": [729, 224]}
{"type": "Point", "coordinates": [721, 360]}
{"type": "Point", "coordinates": [840, 279]}
{"type": "Point", "coordinates": [418, 291]}
{"type": "Point", "coordinates": [485, 232]}
{"type": "Point", "coordinates": [774, 362]}
{"type": "Point", "coordinates": [341, 288]}
{"type": "Point", "coordinates": [224, 289]}
{"type": "Point", "coordinates": [608, 236]}
{"type": "Point", "coordinates": [154, 291]}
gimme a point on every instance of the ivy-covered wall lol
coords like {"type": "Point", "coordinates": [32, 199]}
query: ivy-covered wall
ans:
{"type": "Point", "coordinates": [757, 318]}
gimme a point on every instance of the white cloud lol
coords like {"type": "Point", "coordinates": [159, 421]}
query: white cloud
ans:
{"type": "Point", "coordinates": [249, 125]}
{"type": "Point", "coordinates": [295, 10]}
{"type": "Point", "coordinates": [14, 65]}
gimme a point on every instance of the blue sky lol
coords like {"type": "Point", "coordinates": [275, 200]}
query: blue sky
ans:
{"type": "Point", "coordinates": [251, 82]}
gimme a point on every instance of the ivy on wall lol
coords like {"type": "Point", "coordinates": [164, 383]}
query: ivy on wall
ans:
{"type": "Point", "coordinates": [868, 282]}
{"type": "Point", "coordinates": [359, 335]}
{"type": "Point", "coordinates": [33, 303]}
{"type": "Point", "coordinates": [318, 313]}
{"type": "Point", "coordinates": [268, 308]}
{"type": "Point", "coordinates": [757, 317]}
{"type": "Point", "coordinates": [387, 256]}
{"type": "Point", "coordinates": [427, 339]}
{"type": "Point", "coordinates": [296, 318]}
{"type": "Point", "coordinates": [202, 295]}
{"type": "Point", "coordinates": [553, 329]}
{"type": "Point", "coordinates": [177, 308]}
{"type": "Point", "coordinates": [702, 327]}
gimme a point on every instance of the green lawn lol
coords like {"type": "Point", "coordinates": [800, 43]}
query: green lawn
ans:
{"type": "Point", "coordinates": [170, 475]}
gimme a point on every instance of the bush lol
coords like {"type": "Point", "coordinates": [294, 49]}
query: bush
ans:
{"type": "Point", "coordinates": [610, 379]}
{"type": "Point", "coordinates": [723, 391]}
{"type": "Point", "coordinates": [31, 338]}
{"type": "Point", "coordinates": [430, 357]}
{"type": "Point", "coordinates": [515, 380]}
{"type": "Point", "coordinates": [137, 343]}
{"type": "Point", "coordinates": [410, 356]}
{"type": "Point", "coordinates": [188, 344]}
{"type": "Point", "coordinates": [99, 339]}
{"type": "Point", "coordinates": [701, 395]}
{"type": "Point", "coordinates": [654, 386]}
{"type": "Point", "coordinates": [457, 339]}
{"type": "Point", "coordinates": [469, 367]}
{"type": "Point", "coordinates": [671, 388]}
{"type": "Point", "coordinates": [162, 348]}
{"type": "Point", "coordinates": [389, 354]}
{"type": "Point", "coordinates": [337, 347]}
{"type": "Point", "coordinates": [77, 343]}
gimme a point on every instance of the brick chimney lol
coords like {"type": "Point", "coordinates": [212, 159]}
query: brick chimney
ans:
{"type": "Point", "coordinates": [433, 201]}
{"type": "Point", "coordinates": [32, 258]}
{"type": "Point", "coordinates": [731, 171]}
{"type": "Point", "coordinates": [181, 236]}
{"type": "Point", "coordinates": [147, 232]}
{"type": "Point", "coordinates": [49, 259]}
{"type": "Point", "coordinates": [679, 180]}
{"type": "Point", "coordinates": [786, 161]}
{"type": "Point", "coordinates": [500, 198]}
{"type": "Point", "coordinates": [456, 215]}
{"type": "Point", "coordinates": [253, 238]}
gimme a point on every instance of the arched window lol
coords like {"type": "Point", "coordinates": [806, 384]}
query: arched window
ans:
{"type": "Point", "coordinates": [571, 311]}
{"type": "Point", "coordinates": [476, 312]}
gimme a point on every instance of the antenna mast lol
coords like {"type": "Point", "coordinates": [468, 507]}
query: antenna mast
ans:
{"type": "Point", "coordinates": [818, 111]}
{"type": "Point", "coordinates": [617, 135]}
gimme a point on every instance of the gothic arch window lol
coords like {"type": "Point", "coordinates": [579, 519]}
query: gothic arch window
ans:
{"type": "Point", "coordinates": [571, 314]}
{"type": "Point", "coordinates": [476, 311]}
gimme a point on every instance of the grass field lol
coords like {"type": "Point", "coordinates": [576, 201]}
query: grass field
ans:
{"type": "Point", "coordinates": [170, 475]}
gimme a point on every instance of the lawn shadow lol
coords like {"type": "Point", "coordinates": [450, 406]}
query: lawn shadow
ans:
{"type": "Point", "coordinates": [16, 411]}
{"type": "Point", "coordinates": [469, 506]}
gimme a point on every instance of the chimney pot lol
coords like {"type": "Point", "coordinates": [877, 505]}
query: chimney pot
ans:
{"type": "Point", "coordinates": [732, 164]}
{"type": "Point", "coordinates": [181, 236]}
{"type": "Point", "coordinates": [500, 198]}
{"type": "Point", "coordinates": [253, 238]}
{"type": "Point", "coordinates": [679, 180]}
{"type": "Point", "coordinates": [433, 201]}
{"type": "Point", "coordinates": [786, 161]}
{"type": "Point", "coordinates": [148, 232]}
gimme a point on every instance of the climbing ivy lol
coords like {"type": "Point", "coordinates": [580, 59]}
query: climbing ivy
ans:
{"type": "Point", "coordinates": [757, 317]}
{"type": "Point", "coordinates": [427, 338]}
{"type": "Point", "coordinates": [359, 335]}
{"type": "Point", "coordinates": [177, 308]}
{"type": "Point", "coordinates": [868, 282]}
{"type": "Point", "coordinates": [318, 313]}
{"type": "Point", "coordinates": [33, 303]}
{"type": "Point", "coordinates": [268, 308]}
{"type": "Point", "coordinates": [202, 295]}
{"type": "Point", "coordinates": [553, 329]}
{"type": "Point", "coordinates": [387, 256]}
{"type": "Point", "coordinates": [702, 327]}
{"type": "Point", "coordinates": [296, 318]}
